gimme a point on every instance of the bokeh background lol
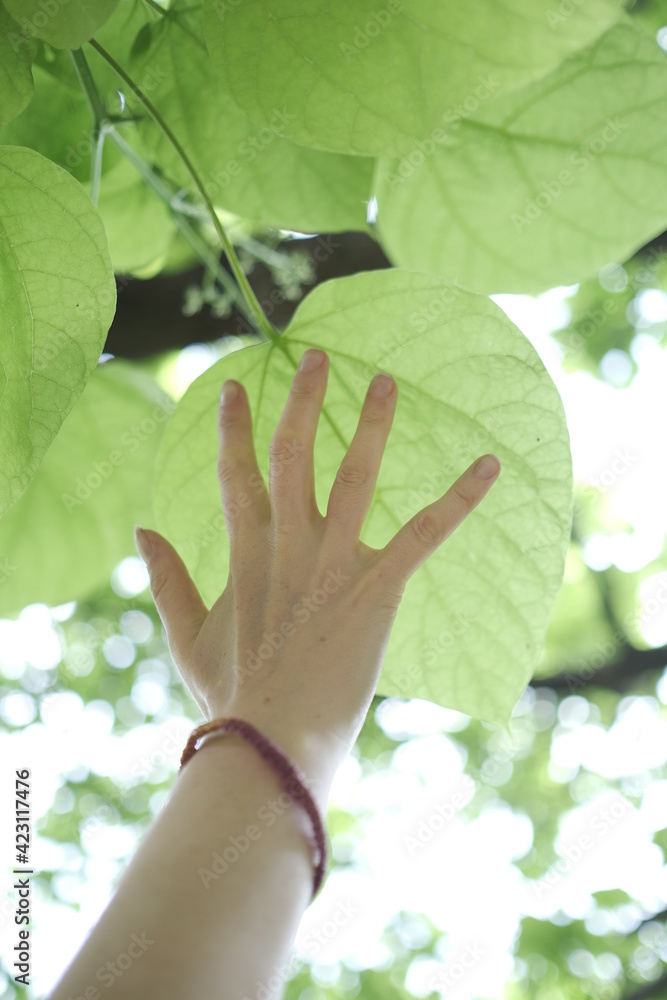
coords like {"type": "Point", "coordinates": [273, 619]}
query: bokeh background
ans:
{"type": "Point", "coordinates": [466, 862]}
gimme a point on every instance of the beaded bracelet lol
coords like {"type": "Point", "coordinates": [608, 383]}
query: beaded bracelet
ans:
{"type": "Point", "coordinates": [292, 778]}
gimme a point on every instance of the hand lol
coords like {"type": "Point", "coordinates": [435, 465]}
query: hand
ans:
{"type": "Point", "coordinates": [295, 642]}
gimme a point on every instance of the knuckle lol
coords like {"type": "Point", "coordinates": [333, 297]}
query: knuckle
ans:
{"type": "Point", "coordinates": [374, 414]}
{"type": "Point", "coordinates": [227, 471]}
{"type": "Point", "coordinates": [426, 529]}
{"type": "Point", "coordinates": [353, 474]}
{"type": "Point", "coordinates": [465, 494]}
{"type": "Point", "coordinates": [301, 389]}
{"type": "Point", "coordinates": [230, 418]}
{"type": "Point", "coordinates": [159, 580]}
{"type": "Point", "coordinates": [282, 451]}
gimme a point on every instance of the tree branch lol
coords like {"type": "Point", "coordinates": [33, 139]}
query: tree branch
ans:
{"type": "Point", "coordinates": [658, 988]}
{"type": "Point", "coordinates": [619, 675]}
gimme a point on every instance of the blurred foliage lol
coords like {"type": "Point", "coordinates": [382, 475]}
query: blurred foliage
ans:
{"type": "Point", "coordinates": [111, 642]}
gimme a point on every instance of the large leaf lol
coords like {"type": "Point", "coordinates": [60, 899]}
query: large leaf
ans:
{"type": "Point", "coordinates": [246, 169]}
{"type": "Point", "coordinates": [57, 300]}
{"type": "Point", "coordinates": [370, 79]}
{"type": "Point", "coordinates": [16, 55]}
{"type": "Point", "coordinates": [74, 523]}
{"type": "Point", "coordinates": [65, 24]}
{"type": "Point", "coordinates": [543, 187]}
{"type": "Point", "coordinates": [470, 628]}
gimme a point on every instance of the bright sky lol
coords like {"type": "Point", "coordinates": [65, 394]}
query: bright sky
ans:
{"type": "Point", "coordinates": [462, 877]}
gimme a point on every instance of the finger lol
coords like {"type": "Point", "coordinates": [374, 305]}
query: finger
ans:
{"type": "Point", "coordinates": [245, 499]}
{"type": "Point", "coordinates": [354, 486]}
{"type": "Point", "coordinates": [176, 598]}
{"type": "Point", "coordinates": [291, 468]}
{"type": "Point", "coordinates": [426, 531]}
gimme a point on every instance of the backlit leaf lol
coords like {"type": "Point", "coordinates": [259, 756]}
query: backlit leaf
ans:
{"type": "Point", "coordinates": [542, 187]}
{"type": "Point", "coordinates": [57, 300]}
{"type": "Point", "coordinates": [246, 168]}
{"type": "Point", "coordinates": [74, 523]}
{"type": "Point", "coordinates": [358, 77]}
{"type": "Point", "coordinates": [472, 621]}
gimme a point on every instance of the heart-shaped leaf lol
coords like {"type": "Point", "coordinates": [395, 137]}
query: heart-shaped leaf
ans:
{"type": "Point", "coordinates": [57, 300]}
{"type": "Point", "coordinates": [542, 187]}
{"type": "Point", "coordinates": [371, 79]}
{"type": "Point", "coordinates": [65, 24]}
{"type": "Point", "coordinates": [470, 628]}
{"type": "Point", "coordinates": [74, 523]}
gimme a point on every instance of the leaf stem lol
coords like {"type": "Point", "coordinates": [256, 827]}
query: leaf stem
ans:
{"type": "Point", "coordinates": [95, 103]}
{"type": "Point", "coordinates": [260, 318]}
{"type": "Point", "coordinates": [203, 251]}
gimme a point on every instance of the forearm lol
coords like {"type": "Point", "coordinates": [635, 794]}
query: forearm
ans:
{"type": "Point", "coordinates": [205, 929]}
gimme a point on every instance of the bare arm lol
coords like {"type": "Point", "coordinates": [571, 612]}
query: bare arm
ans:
{"type": "Point", "coordinates": [191, 922]}
{"type": "Point", "coordinates": [308, 580]}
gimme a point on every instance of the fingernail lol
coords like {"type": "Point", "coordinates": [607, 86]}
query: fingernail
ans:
{"type": "Point", "coordinates": [143, 543]}
{"type": "Point", "coordinates": [312, 359]}
{"type": "Point", "coordinates": [230, 391]}
{"type": "Point", "coordinates": [486, 466]}
{"type": "Point", "coordinates": [382, 384]}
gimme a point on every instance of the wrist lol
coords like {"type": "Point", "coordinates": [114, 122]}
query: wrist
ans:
{"type": "Point", "coordinates": [314, 759]}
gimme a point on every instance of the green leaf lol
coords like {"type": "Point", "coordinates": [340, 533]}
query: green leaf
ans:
{"type": "Point", "coordinates": [473, 618]}
{"type": "Point", "coordinates": [74, 523]}
{"type": "Point", "coordinates": [246, 169]}
{"type": "Point", "coordinates": [542, 187]}
{"type": "Point", "coordinates": [16, 55]}
{"type": "Point", "coordinates": [57, 300]}
{"type": "Point", "coordinates": [64, 25]}
{"type": "Point", "coordinates": [370, 80]}
{"type": "Point", "coordinates": [137, 223]}
{"type": "Point", "coordinates": [71, 143]}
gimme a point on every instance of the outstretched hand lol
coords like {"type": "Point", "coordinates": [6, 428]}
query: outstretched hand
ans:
{"type": "Point", "coordinates": [295, 642]}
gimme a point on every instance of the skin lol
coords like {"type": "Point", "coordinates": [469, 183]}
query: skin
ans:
{"type": "Point", "coordinates": [310, 696]}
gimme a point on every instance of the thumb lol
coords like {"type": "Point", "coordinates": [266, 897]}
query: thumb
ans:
{"type": "Point", "coordinates": [176, 598]}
